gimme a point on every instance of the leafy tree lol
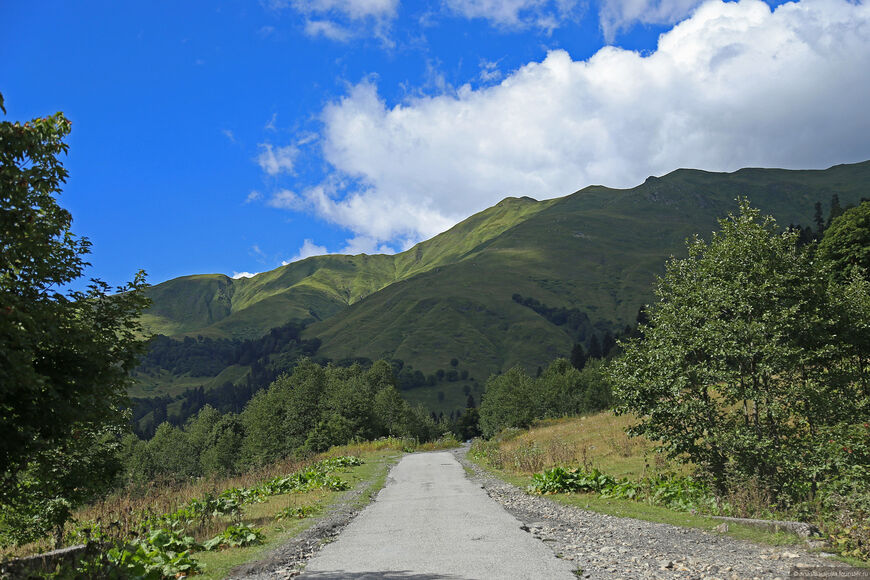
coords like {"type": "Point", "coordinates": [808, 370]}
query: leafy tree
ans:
{"type": "Point", "coordinates": [733, 371]}
{"type": "Point", "coordinates": [64, 357]}
{"type": "Point", "coordinates": [420, 425]}
{"type": "Point", "coordinates": [391, 412]}
{"type": "Point", "coordinates": [277, 420]}
{"type": "Point", "coordinates": [596, 393]}
{"type": "Point", "coordinates": [350, 394]}
{"type": "Point", "coordinates": [510, 401]}
{"type": "Point", "coordinates": [336, 429]}
{"type": "Point", "coordinates": [173, 454]}
{"type": "Point", "coordinates": [220, 454]}
{"type": "Point", "coordinates": [846, 244]}
{"type": "Point", "coordinates": [199, 428]}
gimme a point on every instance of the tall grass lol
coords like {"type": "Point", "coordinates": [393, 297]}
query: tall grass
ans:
{"type": "Point", "coordinates": [592, 441]}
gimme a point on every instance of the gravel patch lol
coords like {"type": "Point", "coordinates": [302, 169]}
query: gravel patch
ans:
{"type": "Point", "coordinates": [288, 560]}
{"type": "Point", "coordinates": [604, 546]}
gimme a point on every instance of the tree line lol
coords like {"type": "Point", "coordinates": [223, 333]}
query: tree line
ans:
{"type": "Point", "coordinates": [515, 399]}
{"type": "Point", "coordinates": [207, 357]}
{"type": "Point", "coordinates": [305, 411]}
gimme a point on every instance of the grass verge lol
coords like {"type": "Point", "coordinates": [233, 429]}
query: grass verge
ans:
{"type": "Point", "coordinates": [374, 471]}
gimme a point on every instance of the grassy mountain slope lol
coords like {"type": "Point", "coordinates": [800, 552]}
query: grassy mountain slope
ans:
{"type": "Point", "coordinates": [597, 250]}
{"type": "Point", "coordinates": [315, 288]}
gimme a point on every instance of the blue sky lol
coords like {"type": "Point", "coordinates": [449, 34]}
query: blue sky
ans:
{"type": "Point", "coordinates": [236, 136]}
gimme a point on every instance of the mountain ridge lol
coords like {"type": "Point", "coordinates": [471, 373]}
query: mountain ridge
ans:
{"type": "Point", "coordinates": [596, 251]}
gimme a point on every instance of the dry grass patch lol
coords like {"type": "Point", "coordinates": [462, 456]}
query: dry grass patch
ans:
{"type": "Point", "coordinates": [597, 440]}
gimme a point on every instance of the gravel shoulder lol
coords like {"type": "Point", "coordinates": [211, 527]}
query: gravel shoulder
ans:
{"type": "Point", "coordinates": [604, 546]}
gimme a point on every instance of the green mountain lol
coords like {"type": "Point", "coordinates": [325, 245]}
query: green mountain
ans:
{"type": "Point", "coordinates": [315, 288]}
{"type": "Point", "coordinates": [460, 295]}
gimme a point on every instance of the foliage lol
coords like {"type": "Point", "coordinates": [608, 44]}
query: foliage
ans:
{"type": "Point", "coordinates": [515, 399]}
{"type": "Point", "coordinates": [739, 369]}
{"type": "Point", "coordinates": [231, 501]}
{"type": "Point", "coordinates": [64, 358]}
{"type": "Point", "coordinates": [235, 536]}
{"type": "Point", "coordinates": [308, 411]}
{"type": "Point", "coordinates": [846, 244]}
{"type": "Point", "coordinates": [846, 519]}
{"type": "Point", "coordinates": [164, 553]}
{"type": "Point", "coordinates": [561, 480]}
{"type": "Point", "coordinates": [165, 546]}
{"type": "Point", "coordinates": [297, 512]}
{"type": "Point", "coordinates": [675, 492]}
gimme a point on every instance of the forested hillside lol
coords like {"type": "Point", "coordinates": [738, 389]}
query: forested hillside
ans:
{"type": "Point", "coordinates": [593, 255]}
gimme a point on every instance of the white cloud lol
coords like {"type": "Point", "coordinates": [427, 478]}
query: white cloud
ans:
{"type": "Point", "coordinates": [237, 275]}
{"type": "Point", "coordinates": [270, 126]}
{"type": "Point", "coordinates": [735, 85]}
{"type": "Point", "coordinates": [353, 9]}
{"type": "Point", "coordinates": [327, 29]}
{"type": "Point", "coordinates": [342, 20]}
{"type": "Point", "coordinates": [365, 245]}
{"type": "Point", "coordinates": [617, 15]}
{"type": "Point", "coordinates": [229, 135]}
{"type": "Point", "coordinates": [545, 14]}
{"type": "Point", "coordinates": [489, 71]}
{"type": "Point", "coordinates": [308, 249]}
{"type": "Point", "coordinates": [275, 160]}
{"type": "Point", "coordinates": [253, 196]}
{"type": "Point", "coordinates": [286, 199]}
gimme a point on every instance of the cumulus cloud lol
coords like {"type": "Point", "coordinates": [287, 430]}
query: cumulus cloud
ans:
{"type": "Point", "coordinates": [253, 196]}
{"type": "Point", "coordinates": [275, 160]}
{"type": "Point", "coordinates": [308, 249]}
{"type": "Point", "coordinates": [734, 85]}
{"type": "Point", "coordinates": [237, 275]}
{"type": "Point", "coordinates": [544, 14]}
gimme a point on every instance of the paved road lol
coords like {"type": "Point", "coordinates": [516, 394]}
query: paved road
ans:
{"type": "Point", "coordinates": [431, 522]}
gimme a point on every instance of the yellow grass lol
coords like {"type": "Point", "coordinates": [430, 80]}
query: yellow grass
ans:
{"type": "Point", "coordinates": [597, 440]}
